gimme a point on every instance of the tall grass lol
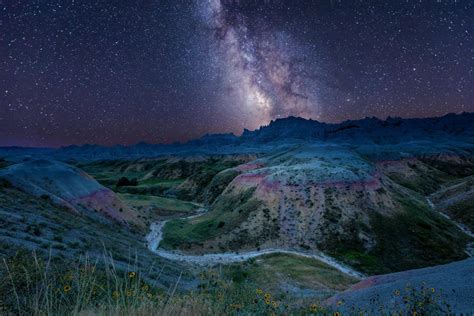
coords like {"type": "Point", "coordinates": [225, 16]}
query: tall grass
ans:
{"type": "Point", "coordinates": [33, 285]}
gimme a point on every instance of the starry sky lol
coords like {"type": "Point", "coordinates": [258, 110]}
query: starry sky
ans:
{"type": "Point", "coordinates": [121, 72]}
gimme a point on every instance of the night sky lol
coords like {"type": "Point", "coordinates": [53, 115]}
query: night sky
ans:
{"type": "Point", "coordinates": [121, 72]}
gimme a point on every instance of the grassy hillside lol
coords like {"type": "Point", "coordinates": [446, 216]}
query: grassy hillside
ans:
{"type": "Point", "coordinates": [463, 212]}
{"type": "Point", "coordinates": [415, 238]}
{"type": "Point", "coordinates": [31, 223]}
{"type": "Point", "coordinates": [225, 215]}
{"type": "Point", "coordinates": [297, 276]}
{"type": "Point", "coordinates": [456, 199]}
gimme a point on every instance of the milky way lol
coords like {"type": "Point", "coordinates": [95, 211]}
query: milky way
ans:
{"type": "Point", "coordinates": [264, 70]}
{"type": "Point", "coordinates": [160, 71]}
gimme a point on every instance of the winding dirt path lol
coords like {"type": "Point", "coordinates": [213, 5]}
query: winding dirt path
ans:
{"type": "Point", "coordinates": [156, 235]}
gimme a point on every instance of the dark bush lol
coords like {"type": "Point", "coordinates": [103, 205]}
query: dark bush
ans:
{"type": "Point", "coordinates": [44, 197]}
{"type": "Point", "coordinates": [4, 183]}
{"type": "Point", "coordinates": [124, 181]}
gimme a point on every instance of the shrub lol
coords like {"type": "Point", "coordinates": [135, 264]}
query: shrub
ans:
{"type": "Point", "coordinates": [45, 197]}
{"type": "Point", "coordinates": [124, 181]}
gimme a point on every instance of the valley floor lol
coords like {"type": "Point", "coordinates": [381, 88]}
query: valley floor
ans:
{"type": "Point", "coordinates": [209, 259]}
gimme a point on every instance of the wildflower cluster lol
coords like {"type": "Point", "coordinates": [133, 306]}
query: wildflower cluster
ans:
{"type": "Point", "coordinates": [423, 300]}
{"type": "Point", "coordinates": [270, 303]}
{"type": "Point", "coordinates": [319, 309]}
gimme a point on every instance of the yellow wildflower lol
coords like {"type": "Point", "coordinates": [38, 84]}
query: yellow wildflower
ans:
{"type": "Point", "coordinates": [132, 274]}
{"type": "Point", "coordinates": [67, 288]}
{"type": "Point", "coordinates": [267, 301]}
{"type": "Point", "coordinates": [259, 291]}
{"type": "Point", "coordinates": [268, 296]}
{"type": "Point", "coordinates": [313, 307]}
{"type": "Point", "coordinates": [396, 292]}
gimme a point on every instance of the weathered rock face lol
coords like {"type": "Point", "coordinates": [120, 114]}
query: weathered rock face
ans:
{"type": "Point", "coordinates": [309, 195]}
{"type": "Point", "coordinates": [68, 186]}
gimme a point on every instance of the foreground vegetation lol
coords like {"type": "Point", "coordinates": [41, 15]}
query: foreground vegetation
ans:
{"type": "Point", "coordinates": [31, 285]}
